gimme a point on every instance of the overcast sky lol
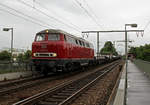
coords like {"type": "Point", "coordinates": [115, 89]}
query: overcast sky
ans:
{"type": "Point", "coordinates": [28, 17]}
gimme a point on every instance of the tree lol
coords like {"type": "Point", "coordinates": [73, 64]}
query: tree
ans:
{"type": "Point", "coordinates": [133, 51]}
{"type": "Point", "coordinates": [24, 57]}
{"type": "Point", "coordinates": [142, 52]}
{"type": "Point", "coordinates": [146, 54]}
{"type": "Point", "coordinates": [108, 49]}
{"type": "Point", "coordinates": [27, 55]}
{"type": "Point", "coordinates": [139, 52]}
{"type": "Point", "coordinates": [20, 58]}
{"type": "Point", "coordinates": [5, 55]}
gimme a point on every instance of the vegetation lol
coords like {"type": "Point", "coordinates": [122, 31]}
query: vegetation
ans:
{"type": "Point", "coordinates": [24, 57]}
{"type": "Point", "coordinates": [5, 56]}
{"type": "Point", "coordinates": [142, 52]}
{"type": "Point", "coordinates": [143, 65]}
{"type": "Point", "coordinates": [108, 49]}
{"type": "Point", "coordinates": [20, 58]}
{"type": "Point", "coordinates": [21, 63]}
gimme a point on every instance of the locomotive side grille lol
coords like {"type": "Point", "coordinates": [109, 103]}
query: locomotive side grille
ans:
{"type": "Point", "coordinates": [45, 54]}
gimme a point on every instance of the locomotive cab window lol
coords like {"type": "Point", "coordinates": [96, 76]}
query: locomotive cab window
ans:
{"type": "Point", "coordinates": [53, 37]}
{"type": "Point", "coordinates": [40, 37]}
{"type": "Point", "coordinates": [87, 45]}
{"type": "Point", "coordinates": [65, 38]}
{"type": "Point", "coordinates": [76, 41]}
{"type": "Point", "coordinates": [80, 43]}
{"type": "Point", "coordinates": [83, 44]}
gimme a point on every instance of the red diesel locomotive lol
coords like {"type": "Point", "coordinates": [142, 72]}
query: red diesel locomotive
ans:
{"type": "Point", "coordinates": [54, 50]}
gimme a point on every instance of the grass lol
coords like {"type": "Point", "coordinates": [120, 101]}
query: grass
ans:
{"type": "Point", "coordinates": [143, 65]}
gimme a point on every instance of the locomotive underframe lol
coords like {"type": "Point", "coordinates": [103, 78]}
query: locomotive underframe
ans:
{"type": "Point", "coordinates": [53, 65]}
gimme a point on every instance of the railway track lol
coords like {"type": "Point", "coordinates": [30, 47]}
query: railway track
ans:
{"type": "Point", "coordinates": [16, 85]}
{"type": "Point", "coordinates": [12, 86]}
{"type": "Point", "coordinates": [65, 93]}
{"type": "Point", "coordinates": [8, 83]}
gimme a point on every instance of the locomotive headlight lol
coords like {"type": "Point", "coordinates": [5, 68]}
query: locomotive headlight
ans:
{"type": "Point", "coordinates": [34, 54]}
{"type": "Point", "coordinates": [54, 54]}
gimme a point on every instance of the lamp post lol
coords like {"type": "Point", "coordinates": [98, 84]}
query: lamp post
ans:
{"type": "Point", "coordinates": [126, 51]}
{"type": "Point", "coordinates": [7, 29]}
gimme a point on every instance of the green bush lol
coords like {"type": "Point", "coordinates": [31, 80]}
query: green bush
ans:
{"type": "Point", "coordinates": [142, 52]}
{"type": "Point", "coordinates": [5, 55]}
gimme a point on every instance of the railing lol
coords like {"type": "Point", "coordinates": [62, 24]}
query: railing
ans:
{"type": "Point", "coordinates": [5, 66]}
{"type": "Point", "coordinates": [143, 66]}
{"type": "Point", "coordinates": [143, 61]}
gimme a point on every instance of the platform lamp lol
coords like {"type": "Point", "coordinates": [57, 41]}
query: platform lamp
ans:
{"type": "Point", "coordinates": [126, 53]}
{"type": "Point", "coordinates": [7, 29]}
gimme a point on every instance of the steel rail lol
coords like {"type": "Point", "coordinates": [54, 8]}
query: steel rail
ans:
{"type": "Point", "coordinates": [16, 81]}
{"type": "Point", "coordinates": [72, 97]}
{"type": "Point", "coordinates": [16, 85]}
{"type": "Point", "coordinates": [76, 94]}
{"type": "Point", "coordinates": [85, 81]}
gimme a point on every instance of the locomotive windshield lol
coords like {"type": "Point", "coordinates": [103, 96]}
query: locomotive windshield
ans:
{"type": "Point", "coordinates": [40, 37]}
{"type": "Point", "coordinates": [53, 37]}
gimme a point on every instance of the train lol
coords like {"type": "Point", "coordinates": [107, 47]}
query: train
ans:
{"type": "Point", "coordinates": [55, 50]}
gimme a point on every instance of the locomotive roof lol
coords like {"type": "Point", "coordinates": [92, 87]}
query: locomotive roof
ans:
{"type": "Point", "coordinates": [52, 31]}
{"type": "Point", "coordinates": [60, 31]}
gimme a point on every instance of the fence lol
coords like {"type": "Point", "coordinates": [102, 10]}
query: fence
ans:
{"type": "Point", "coordinates": [5, 66]}
{"type": "Point", "coordinates": [143, 65]}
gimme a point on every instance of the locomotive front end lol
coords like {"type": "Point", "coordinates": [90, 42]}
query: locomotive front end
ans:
{"type": "Point", "coordinates": [45, 51]}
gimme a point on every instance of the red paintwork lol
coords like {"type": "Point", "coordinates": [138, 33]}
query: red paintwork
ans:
{"type": "Point", "coordinates": [64, 50]}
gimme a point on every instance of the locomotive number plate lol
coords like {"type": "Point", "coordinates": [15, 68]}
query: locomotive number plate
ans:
{"type": "Point", "coordinates": [43, 46]}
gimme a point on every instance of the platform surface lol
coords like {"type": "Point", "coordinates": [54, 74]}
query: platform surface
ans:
{"type": "Point", "coordinates": [119, 98]}
{"type": "Point", "coordinates": [15, 75]}
{"type": "Point", "coordinates": [138, 92]}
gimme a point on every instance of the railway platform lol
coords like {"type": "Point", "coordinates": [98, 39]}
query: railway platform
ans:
{"type": "Point", "coordinates": [138, 87]}
{"type": "Point", "coordinates": [15, 75]}
{"type": "Point", "coordinates": [120, 92]}
{"type": "Point", "coordinates": [138, 91]}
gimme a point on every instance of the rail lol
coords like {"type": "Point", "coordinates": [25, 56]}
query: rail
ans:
{"type": "Point", "coordinates": [65, 93]}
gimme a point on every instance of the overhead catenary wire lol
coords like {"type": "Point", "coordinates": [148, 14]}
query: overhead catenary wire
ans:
{"type": "Point", "coordinates": [51, 17]}
{"type": "Point", "coordinates": [147, 25]}
{"type": "Point", "coordinates": [90, 8]}
{"type": "Point", "coordinates": [31, 18]}
{"type": "Point", "coordinates": [6, 11]}
{"type": "Point", "coordinates": [42, 6]}
{"type": "Point", "coordinates": [96, 17]}
{"type": "Point", "coordinates": [87, 12]}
